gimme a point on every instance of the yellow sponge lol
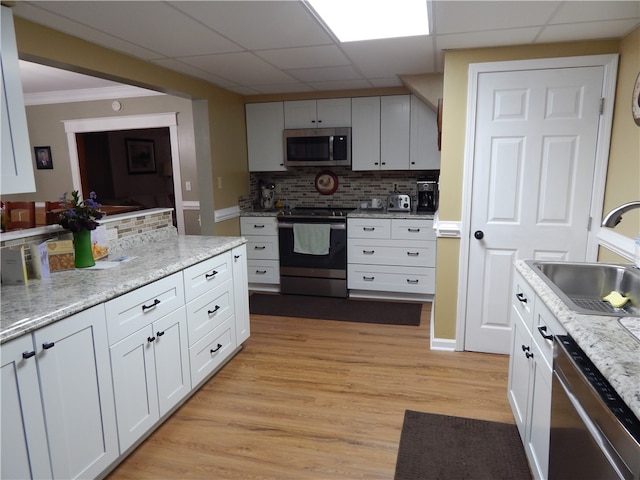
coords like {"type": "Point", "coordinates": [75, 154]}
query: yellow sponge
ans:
{"type": "Point", "coordinates": [616, 299]}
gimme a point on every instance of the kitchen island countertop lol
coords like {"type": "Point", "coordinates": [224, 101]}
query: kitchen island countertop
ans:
{"type": "Point", "coordinates": [357, 213]}
{"type": "Point", "coordinates": [611, 348]}
{"type": "Point", "coordinates": [41, 302]}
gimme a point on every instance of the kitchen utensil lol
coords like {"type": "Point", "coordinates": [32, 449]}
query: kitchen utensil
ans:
{"type": "Point", "coordinates": [267, 195]}
{"type": "Point", "coordinates": [398, 202]}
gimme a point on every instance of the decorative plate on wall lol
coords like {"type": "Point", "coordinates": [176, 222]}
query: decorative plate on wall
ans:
{"type": "Point", "coordinates": [326, 182]}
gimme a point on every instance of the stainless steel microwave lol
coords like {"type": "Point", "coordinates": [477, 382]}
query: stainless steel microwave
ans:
{"type": "Point", "coordinates": [317, 147]}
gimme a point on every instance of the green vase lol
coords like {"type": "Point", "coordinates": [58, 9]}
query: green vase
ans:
{"type": "Point", "coordinates": [82, 249]}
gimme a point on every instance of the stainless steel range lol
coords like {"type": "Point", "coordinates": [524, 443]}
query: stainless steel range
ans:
{"type": "Point", "coordinates": [313, 251]}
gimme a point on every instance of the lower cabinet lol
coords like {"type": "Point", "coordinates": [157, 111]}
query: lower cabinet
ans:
{"type": "Point", "coordinates": [263, 255]}
{"type": "Point", "coordinates": [530, 372]}
{"type": "Point", "coordinates": [150, 371]}
{"type": "Point", "coordinates": [58, 416]}
{"type": "Point", "coordinates": [241, 293]}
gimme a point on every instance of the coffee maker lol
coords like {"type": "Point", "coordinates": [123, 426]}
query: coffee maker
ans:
{"type": "Point", "coordinates": [428, 193]}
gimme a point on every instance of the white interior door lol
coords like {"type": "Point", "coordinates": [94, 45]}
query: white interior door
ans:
{"type": "Point", "coordinates": [536, 136]}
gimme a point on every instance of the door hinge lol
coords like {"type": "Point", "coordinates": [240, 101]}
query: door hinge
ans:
{"type": "Point", "coordinates": [601, 105]}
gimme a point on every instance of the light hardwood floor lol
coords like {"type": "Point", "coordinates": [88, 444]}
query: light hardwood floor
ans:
{"type": "Point", "coordinates": [318, 400]}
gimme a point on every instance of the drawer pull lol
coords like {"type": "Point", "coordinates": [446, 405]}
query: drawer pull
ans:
{"type": "Point", "coordinates": [147, 307]}
{"type": "Point", "coordinates": [413, 230]}
{"type": "Point", "coordinates": [413, 254]}
{"type": "Point", "coordinates": [261, 272]}
{"type": "Point", "coordinates": [259, 247]}
{"type": "Point", "coordinates": [528, 355]}
{"type": "Point", "coordinates": [159, 334]}
{"type": "Point", "coordinates": [30, 354]}
{"type": "Point", "coordinates": [525, 348]}
{"type": "Point", "coordinates": [211, 312]}
{"type": "Point", "coordinates": [48, 345]}
{"type": "Point", "coordinates": [217, 348]}
{"type": "Point", "coordinates": [151, 339]}
{"type": "Point", "coordinates": [542, 331]}
{"type": "Point", "coordinates": [368, 229]}
{"type": "Point", "coordinates": [368, 279]}
{"type": "Point", "coordinates": [368, 252]}
{"type": "Point", "coordinates": [412, 282]}
{"type": "Point", "coordinates": [236, 257]}
{"type": "Point", "coordinates": [210, 275]}
{"type": "Point", "coordinates": [258, 226]}
{"type": "Point", "coordinates": [521, 297]}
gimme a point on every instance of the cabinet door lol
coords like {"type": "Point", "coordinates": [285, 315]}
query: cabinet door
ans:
{"type": "Point", "coordinates": [300, 114]}
{"type": "Point", "coordinates": [424, 153]}
{"type": "Point", "coordinates": [17, 170]}
{"type": "Point", "coordinates": [520, 366]}
{"type": "Point", "coordinates": [365, 133]}
{"type": "Point", "coordinates": [135, 387]}
{"type": "Point", "coordinates": [539, 417]}
{"type": "Point", "coordinates": [23, 448]}
{"type": "Point", "coordinates": [77, 394]}
{"type": "Point", "coordinates": [395, 118]}
{"type": "Point", "coordinates": [265, 122]}
{"type": "Point", "coordinates": [334, 112]}
{"type": "Point", "coordinates": [241, 293]}
{"type": "Point", "coordinates": [172, 359]}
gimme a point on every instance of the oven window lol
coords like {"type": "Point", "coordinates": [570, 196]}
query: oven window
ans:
{"type": "Point", "coordinates": [336, 259]}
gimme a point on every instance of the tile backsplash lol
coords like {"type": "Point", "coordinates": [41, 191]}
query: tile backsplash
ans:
{"type": "Point", "coordinates": [297, 187]}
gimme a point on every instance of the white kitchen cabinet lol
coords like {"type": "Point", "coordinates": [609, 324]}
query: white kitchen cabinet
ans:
{"type": "Point", "coordinates": [23, 448]}
{"type": "Point", "coordinates": [241, 294]}
{"type": "Point", "coordinates": [530, 372]}
{"type": "Point", "coordinates": [265, 145]}
{"type": "Point", "coordinates": [263, 255]}
{"type": "Point", "coordinates": [423, 153]}
{"type": "Point", "coordinates": [381, 133]}
{"type": "Point", "coordinates": [391, 255]}
{"type": "Point", "coordinates": [65, 416]}
{"type": "Point", "coordinates": [17, 167]}
{"type": "Point", "coordinates": [322, 113]}
{"type": "Point", "coordinates": [365, 133]}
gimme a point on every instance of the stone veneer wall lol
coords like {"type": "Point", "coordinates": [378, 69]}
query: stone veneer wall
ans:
{"type": "Point", "coordinates": [297, 187]}
{"type": "Point", "coordinates": [123, 231]}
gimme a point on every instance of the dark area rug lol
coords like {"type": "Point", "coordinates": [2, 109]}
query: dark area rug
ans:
{"type": "Point", "coordinates": [331, 308]}
{"type": "Point", "coordinates": [443, 447]}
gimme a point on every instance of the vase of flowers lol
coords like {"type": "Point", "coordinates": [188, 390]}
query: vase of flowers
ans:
{"type": "Point", "coordinates": [79, 217]}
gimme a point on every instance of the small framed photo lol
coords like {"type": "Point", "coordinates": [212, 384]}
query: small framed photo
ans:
{"type": "Point", "coordinates": [140, 156]}
{"type": "Point", "coordinates": [43, 158]}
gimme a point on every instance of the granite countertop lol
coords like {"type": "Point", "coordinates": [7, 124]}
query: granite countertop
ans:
{"type": "Point", "coordinates": [611, 348]}
{"type": "Point", "coordinates": [357, 213]}
{"type": "Point", "coordinates": [27, 308]}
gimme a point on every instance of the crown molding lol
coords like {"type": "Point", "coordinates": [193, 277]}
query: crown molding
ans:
{"type": "Point", "coordinates": [86, 95]}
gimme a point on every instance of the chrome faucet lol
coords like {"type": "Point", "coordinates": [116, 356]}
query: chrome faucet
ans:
{"type": "Point", "coordinates": [614, 216]}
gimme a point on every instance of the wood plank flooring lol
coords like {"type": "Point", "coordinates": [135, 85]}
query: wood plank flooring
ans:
{"type": "Point", "coordinates": [318, 400]}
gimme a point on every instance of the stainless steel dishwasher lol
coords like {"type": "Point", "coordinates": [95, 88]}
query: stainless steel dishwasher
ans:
{"type": "Point", "coordinates": [594, 434]}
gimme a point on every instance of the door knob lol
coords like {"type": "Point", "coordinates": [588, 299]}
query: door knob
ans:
{"type": "Point", "coordinates": [479, 234]}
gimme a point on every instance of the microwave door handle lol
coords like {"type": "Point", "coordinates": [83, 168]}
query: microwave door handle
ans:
{"type": "Point", "coordinates": [331, 137]}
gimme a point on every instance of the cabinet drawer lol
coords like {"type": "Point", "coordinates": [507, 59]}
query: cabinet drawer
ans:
{"type": "Point", "coordinates": [209, 310]}
{"type": "Point", "coordinates": [263, 271]}
{"type": "Point", "coordinates": [398, 252]}
{"type": "Point", "coordinates": [523, 300]}
{"type": "Point", "coordinates": [410, 229]}
{"type": "Point", "coordinates": [133, 311]}
{"type": "Point", "coordinates": [387, 278]}
{"type": "Point", "coordinates": [207, 275]}
{"type": "Point", "coordinates": [208, 353]}
{"type": "Point", "coordinates": [258, 226]}
{"type": "Point", "coordinates": [369, 228]}
{"type": "Point", "coordinates": [262, 247]}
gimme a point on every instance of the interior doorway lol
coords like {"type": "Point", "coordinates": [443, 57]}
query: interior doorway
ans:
{"type": "Point", "coordinates": [106, 167]}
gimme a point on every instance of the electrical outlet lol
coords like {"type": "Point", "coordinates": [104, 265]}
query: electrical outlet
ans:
{"type": "Point", "coordinates": [220, 182]}
{"type": "Point", "coordinates": [187, 186]}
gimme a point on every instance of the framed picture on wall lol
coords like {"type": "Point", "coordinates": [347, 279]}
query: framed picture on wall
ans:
{"type": "Point", "coordinates": [43, 158]}
{"type": "Point", "coordinates": [140, 156]}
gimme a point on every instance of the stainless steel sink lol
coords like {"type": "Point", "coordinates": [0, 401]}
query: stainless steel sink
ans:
{"type": "Point", "coordinates": [582, 285]}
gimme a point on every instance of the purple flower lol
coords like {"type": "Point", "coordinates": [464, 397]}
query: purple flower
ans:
{"type": "Point", "coordinates": [80, 214]}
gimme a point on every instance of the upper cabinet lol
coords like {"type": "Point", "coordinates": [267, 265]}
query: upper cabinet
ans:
{"type": "Point", "coordinates": [395, 120]}
{"type": "Point", "coordinates": [323, 113]}
{"type": "Point", "coordinates": [265, 122]}
{"type": "Point", "coordinates": [17, 167]}
{"type": "Point", "coordinates": [424, 153]}
{"type": "Point", "coordinates": [365, 133]}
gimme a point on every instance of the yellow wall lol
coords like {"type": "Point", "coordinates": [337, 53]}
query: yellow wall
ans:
{"type": "Point", "coordinates": [226, 109]}
{"type": "Point", "coordinates": [453, 146]}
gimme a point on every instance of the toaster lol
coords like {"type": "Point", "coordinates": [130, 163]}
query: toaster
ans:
{"type": "Point", "coordinates": [398, 202]}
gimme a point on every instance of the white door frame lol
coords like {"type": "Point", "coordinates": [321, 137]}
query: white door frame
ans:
{"type": "Point", "coordinates": [129, 122]}
{"type": "Point", "coordinates": [610, 64]}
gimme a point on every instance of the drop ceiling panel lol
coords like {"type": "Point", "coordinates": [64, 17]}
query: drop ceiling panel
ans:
{"type": "Point", "coordinates": [521, 36]}
{"type": "Point", "coordinates": [305, 57]}
{"type": "Point", "coordinates": [574, 11]}
{"type": "Point", "coordinates": [325, 74]}
{"type": "Point", "coordinates": [341, 85]}
{"type": "Point", "coordinates": [258, 25]}
{"type": "Point", "coordinates": [403, 56]}
{"type": "Point", "coordinates": [585, 31]}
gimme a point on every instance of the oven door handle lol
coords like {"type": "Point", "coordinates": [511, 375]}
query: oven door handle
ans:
{"type": "Point", "coordinates": [334, 226]}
